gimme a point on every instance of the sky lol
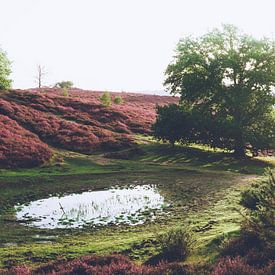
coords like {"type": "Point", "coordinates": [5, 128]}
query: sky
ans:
{"type": "Point", "coordinates": [114, 45]}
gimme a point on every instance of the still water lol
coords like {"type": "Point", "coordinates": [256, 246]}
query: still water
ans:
{"type": "Point", "coordinates": [129, 205]}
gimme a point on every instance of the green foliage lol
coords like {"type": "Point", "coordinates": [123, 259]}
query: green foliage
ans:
{"type": "Point", "coordinates": [175, 244]}
{"type": "Point", "coordinates": [65, 91]}
{"type": "Point", "coordinates": [64, 84]}
{"type": "Point", "coordinates": [171, 124]}
{"type": "Point", "coordinates": [250, 199]}
{"type": "Point", "coordinates": [259, 202]}
{"type": "Point", "coordinates": [118, 100]}
{"type": "Point", "coordinates": [5, 71]}
{"type": "Point", "coordinates": [106, 99]}
{"type": "Point", "coordinates": [225, 80]}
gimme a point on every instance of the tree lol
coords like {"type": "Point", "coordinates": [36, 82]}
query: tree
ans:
{"type": "Point", "coordinates": [225, 78]}
{"type": "Point", "coordinates": [64, 84]}
{"type": "Point", "coordinates": [106, 99]}
{"type": "Point", "coordinates": [171, 123]}
{"type": "Point", "coordinates": [5, 71]}
{"type": "Point", "coordinates": [118, 100]}
{"type": "Point", "coordinates": [41, 73]}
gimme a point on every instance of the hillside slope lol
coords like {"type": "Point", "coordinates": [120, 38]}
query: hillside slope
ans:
{"type": "Point", "coordinates": [31, 120]}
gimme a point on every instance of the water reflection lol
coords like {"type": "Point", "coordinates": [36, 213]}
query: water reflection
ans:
{"type": "Point", "coordinates": [130, 205]}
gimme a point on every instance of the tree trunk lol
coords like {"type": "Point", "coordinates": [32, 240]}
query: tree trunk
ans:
{"type": "Point", "coordinates": [240, 153]}
{"type": "Point", "coordinates": [239, 150]}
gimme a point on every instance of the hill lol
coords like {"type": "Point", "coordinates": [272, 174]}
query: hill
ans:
{"type": "Point", "coordinates": [34, 122]}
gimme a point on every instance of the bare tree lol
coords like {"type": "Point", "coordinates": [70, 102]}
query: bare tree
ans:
{"type": "Point", "coordinates": [41, 73]}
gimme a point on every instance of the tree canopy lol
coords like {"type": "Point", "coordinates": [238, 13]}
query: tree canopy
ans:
{"type": "Point", "coordinates": [225, 80]}
{"type": "Point", "coordinates": [5, 71]}
{"type": "Point", "coordinates": [64, 84]}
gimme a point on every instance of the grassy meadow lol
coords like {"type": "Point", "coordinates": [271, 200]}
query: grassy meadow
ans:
{"type": "Point", "coordinates": [202, 187]}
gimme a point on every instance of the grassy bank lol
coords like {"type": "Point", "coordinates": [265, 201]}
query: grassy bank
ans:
{"type": "Point", "coordinates": [202, 186]}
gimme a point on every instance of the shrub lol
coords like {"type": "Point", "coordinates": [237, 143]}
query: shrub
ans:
{"type": "Point", "coordinates": [238, 266]}
{"type": "Point", "coordinates": [241, 245]}
{"type": "Point", "coordinates": [253, 252]}
{"type": "Point", "coordinates": [65, 92]}
{"type": "Point", "coordinates": [64, 84]}
{"type": "Point", "coordinates": [249, 199]}
{"type": "Point", "coordinates": [104, 265]}
{"type": "Point", "coordinates": [260, 209]}
{"type": "Point", "coordinates": [79, 123]}
{"type": "Point", "coordinates": [19, 147]}
{"type": "Point", "coordinates": [118, 100]}
{"type": "Point", "coordinates": [175, 244]}
{"type": "Point", "coordinates": [106, 99]}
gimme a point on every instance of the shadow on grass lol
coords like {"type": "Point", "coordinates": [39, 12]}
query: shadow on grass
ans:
{"type": "Point", "coordinates": [204, 158]}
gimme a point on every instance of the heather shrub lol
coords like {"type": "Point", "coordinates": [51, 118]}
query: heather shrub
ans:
{"type": "Point", "coordinates": [238, 266]}
{"type": "Point", "coordinates": [106, 265]}
{"type": "Point", "coordinates": [17, 270]}
{"type": "Point", "coordinates": [175, 244]}
{"type": "Point", "coordinates": [259, 203]}
{"type": "Point", "coordinates": [106, 99]}
{"type": "Point", "coordinates": [19, 147]}
{"type": "Point", "coordinates": [79, 123]}
{"type": "Point", "coordinates": [118, 100]}
{"type": "Point", "coordinates": [259, 257]}
{"type": "Point", "coordinates": [240, 246]}
{"type": "Point", "coordinates": [251, 248]}
{"type": "Point", "coordinates": [20, 270]}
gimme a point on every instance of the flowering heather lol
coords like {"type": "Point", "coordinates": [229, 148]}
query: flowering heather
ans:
{"type": "Point", "coordinates": [78, 122]}
{"type": "Point", "coordinates": [238, 265]}
{"type": "Point", "coordinates": [19, 147]}
{"type": "Point", "coordinates": [108, 265]}
{"type": "Point", "coordinates": [136, 114]}
{"type": "Point", "coordinates": [57, 131]}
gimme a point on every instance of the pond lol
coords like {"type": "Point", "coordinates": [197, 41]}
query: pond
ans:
{"type": "Point", "coordinates": [128, 205]}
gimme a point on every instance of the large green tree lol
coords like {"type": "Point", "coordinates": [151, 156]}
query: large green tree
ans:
{"type": "Point", "coordinates": [226, 80]}
{"type": "Point", "coordinates": [5, 71]}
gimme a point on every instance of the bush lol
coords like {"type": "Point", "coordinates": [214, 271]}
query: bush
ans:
{"type": "Point", "coordinates": [64, 84]}
{"type": "Point", "coordinates": [65, 92]}
{"type": "Point", "coordinates": [253, 252]}
{"type": "Point", "coordinates": [19, 147]}
{"type": "Point", "coordinates": [175, 244]}
{"type": "Point", "coordinates": [238, 266]}
{"type": "Point", "coordinates": [106, 265]}
{"type": "Point", "coordinates": [106, 99]}
{"type": "Point", "coordinates": [171, 124]}
{"type": "Point", "coordinates": [260, 204]}
{"type": "Point", "coordinates": [118, 100]}
{"type": "Point", "coordinates": [249, 199]}
{"type": "Point", "coordinates": [241, 245]}
{"type": "Point", "coordinates": [79, 123]}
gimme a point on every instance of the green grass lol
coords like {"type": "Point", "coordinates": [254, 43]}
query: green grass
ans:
{"type": "Point", "coordinates": [203, 186]}
{"type": "Point", "coordinates": [202, 157]}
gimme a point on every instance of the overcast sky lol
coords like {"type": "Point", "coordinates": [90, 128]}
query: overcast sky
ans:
{"type": "Point", "coordinates": [114, 44]}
